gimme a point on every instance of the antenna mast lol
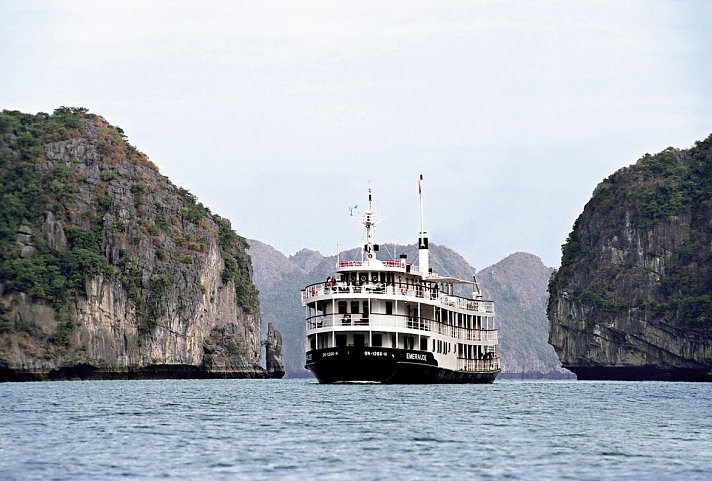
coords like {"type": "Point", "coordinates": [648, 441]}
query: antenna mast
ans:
{"type": "Point", "coordinates": [369, 222]}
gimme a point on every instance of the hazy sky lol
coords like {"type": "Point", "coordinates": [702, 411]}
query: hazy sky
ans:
{"type": "Point", "coordinates": [277, 115]}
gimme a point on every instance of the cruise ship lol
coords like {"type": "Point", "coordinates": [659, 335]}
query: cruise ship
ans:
{"type": "Point", "coordinates": [389, 321]}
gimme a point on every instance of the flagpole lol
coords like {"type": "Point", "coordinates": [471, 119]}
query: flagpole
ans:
{"type": "Point", "coordinates": [423, 260]}
{"type": "Point", "coordinates": [420, 194]}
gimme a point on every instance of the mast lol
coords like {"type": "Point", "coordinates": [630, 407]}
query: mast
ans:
{"type": "Point", "coordinates": [368, 221]}
{"type": "Point", "coordinates": [476, 291]}
{"type": "Point", "coordinates": [423, 260]}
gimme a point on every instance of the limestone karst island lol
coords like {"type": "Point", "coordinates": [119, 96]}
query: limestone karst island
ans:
{"type": "Point", "coordinates": [108, 270]}
{"type": "Point", "coordinates": [633, 297]}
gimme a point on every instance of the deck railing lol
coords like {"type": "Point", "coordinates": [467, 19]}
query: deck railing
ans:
{"type": "Point", "coordinates": [387, 263]}
{"type": "Point", "coordinates": [398, 322]}
{"type": "Point", "coordinates": [478, 364]}
{"type": "Point", "coordinates": [403, 290]}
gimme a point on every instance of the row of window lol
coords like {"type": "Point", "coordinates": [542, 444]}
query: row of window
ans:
{"type": "Point", "coordinates": [343, 307]}
{"type": "Point", "coordinates": [442, 347]}
{"type": "Point", "coordinates": [357, 278]}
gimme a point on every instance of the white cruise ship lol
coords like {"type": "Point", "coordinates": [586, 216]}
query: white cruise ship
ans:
{"type": "Point", "coordinates": [389, 321]}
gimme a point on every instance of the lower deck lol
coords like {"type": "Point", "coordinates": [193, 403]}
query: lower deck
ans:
{"type": "Point", "coordinates": [447, 352]}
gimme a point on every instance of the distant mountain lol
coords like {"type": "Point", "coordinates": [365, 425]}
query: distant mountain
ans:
{"type": "Point", "coordinates": [306, 259]}
{"type": "Point", "coordinates": [517, 284]}
{"type": "Point", "coordinates": [274, 265]}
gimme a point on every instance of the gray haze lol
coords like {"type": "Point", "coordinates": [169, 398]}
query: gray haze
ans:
{"type": "Point", "coordinates": [278, 114]}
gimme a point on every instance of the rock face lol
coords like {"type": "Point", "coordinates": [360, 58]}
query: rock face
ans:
{"type": "Point", "coordinates": [275, 360]}
{"type": "Point", "coordinates": [633, 296]}
{"type": "Point", "coordinates": [516, 284]}
{"type": "Point", "coordinates": [114, 272]}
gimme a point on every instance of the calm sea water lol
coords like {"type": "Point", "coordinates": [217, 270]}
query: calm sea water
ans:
{"type": "Point", "coordinates": [297, 429]}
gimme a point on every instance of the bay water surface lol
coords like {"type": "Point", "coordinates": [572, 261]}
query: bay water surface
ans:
{"type": "Point", "coordinates": [298, 429]}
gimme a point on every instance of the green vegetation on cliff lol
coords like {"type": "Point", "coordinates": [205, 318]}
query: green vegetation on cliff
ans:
{"type": "Point", "coordinates": [644, 240]}
{"type": "Point", "coordinates": [26, 193]}
{"type": "Point", "coordinates": [97, 235]}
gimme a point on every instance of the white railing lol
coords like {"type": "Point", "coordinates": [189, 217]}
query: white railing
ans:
{"type": "Point", "coordinates": [479, 365]}
{"type": "Point", "coordinates": [373, 320]}
{"type": "Point", "coordinates": [324, 289]}
{"type": "Point", "coordinates": [388, 263]}
{"type": "Point", "coordinates": [396, 322]}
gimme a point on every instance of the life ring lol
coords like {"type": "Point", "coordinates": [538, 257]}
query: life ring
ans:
{"type": "Point", "coordinates": [403, 290]}
{"type": "Point", "coordinates": [363, 278]}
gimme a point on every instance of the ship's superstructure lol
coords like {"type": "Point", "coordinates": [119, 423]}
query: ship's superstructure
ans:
{"type": "Point", "coordinates": [393, 322]}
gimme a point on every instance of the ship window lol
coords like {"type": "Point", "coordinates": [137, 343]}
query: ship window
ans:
{"type": "Point", "coordinates": [433, 345]}
{"type": "Point", "coordinates": [423, 344]}
{"type": "Point", "coordinates": [409, 342]}
{"type": "Point", "coordinates": [341, 340]}
{"type": "Point", "coordinates": [342, 307]}
{"type": "Point", "coordinates": [312, 342]}
{"type": "Point", "coordinates": [359, 340]}
{"type": "Point", "coordinates": [365, 308]}
{"type": "Point", "coordinates": [377, 340]}
{"type": "Point", "coordinates": [393, 341]}
{"type": "Point", "coordinates": [389, 308]}
{"type": "Point", "coordinates": [354, 307]}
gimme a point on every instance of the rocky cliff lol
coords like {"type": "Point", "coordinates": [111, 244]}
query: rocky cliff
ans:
{"type": "Point", "coordinates": [633, 296]}
{"type": "Point", "coordinates": [517, 284]}
{"type": "Point", "coordinates": [273, 355]}
{"type": "Point", "coordinates": [107, 269]}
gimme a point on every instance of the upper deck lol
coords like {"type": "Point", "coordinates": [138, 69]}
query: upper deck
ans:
{"type": "Point", "coordinates": [340, 289]}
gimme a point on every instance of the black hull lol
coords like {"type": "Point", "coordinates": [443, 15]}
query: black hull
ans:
{"type": "Point", "coordinates": [387, 366]}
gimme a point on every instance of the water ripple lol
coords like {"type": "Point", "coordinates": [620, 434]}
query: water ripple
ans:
{"type": "Point", "coordinates": [235, 429]}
